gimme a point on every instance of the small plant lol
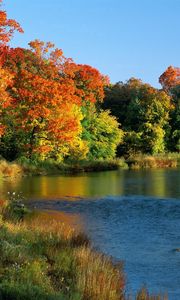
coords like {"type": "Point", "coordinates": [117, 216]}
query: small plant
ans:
{"type": "Point", "coordinates": [143, 294]}
{"type": "Point", "coordinates": [15, 209]}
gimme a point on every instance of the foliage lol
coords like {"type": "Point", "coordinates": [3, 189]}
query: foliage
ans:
{"type": "Point", "coordinates": [102, 133]}
{"type": "Point", "coordinates": [52, 108]}
{"type": "Point", "coordinates": [143, 112]}
{"type": "Point", "coordinates": [7, 27]}
{"type": "Point", "coordinates": [170, 81]}
{"type": "Point", "coordinates": [170, 78]}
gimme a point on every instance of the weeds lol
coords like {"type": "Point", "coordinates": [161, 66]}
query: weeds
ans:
{"type": "Point", "coordinates": [159, 161]}
{"type": "Point", "coordinates": [10, 169]}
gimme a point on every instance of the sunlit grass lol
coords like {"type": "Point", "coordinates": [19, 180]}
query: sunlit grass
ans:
{"type": "Point", "coordinates": [97, 277]}
{"type": "Point", "coordinates": [49, 260]}
{"type": "Point", "coordinates": [144, 161]}
{"type": "Point", "coordinates": [9, 169]}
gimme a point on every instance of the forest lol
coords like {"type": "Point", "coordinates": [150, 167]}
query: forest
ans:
{"type": "Point", "coordinates": [54, 109]}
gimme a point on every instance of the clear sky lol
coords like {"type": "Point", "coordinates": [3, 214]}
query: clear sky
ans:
{"type": "Point", "coordinates": [121, 38]}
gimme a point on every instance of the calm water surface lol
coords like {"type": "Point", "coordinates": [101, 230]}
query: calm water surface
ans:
{"type": "Point", "coordinates": [133, 216]}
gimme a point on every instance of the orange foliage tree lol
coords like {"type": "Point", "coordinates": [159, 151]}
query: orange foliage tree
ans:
{"type": "Point", "coordinates": [44, 105]}
{"type": "Point", "coordinates": [47, 101]}
{"type": "Point", "coordinates": [7, 27]}
{"type": "Point", "coordinates": [170, 81]}
{"type": "Point", "coordinates": [170, 78]}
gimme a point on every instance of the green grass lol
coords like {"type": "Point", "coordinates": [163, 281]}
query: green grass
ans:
{"type": "Point", "coordinates": [40, 260]}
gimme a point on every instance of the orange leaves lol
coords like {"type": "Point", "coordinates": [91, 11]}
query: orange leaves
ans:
{"type": "Point", "coordinates": [2, 129]}
{"type": "Point", "coordinates": [47, 94]}
{"type": "Point", "coordinates": [6, 80]}
{"type": "Point", "coordinates": [40, 48]}
{"type": "Point", "coordinates": [90, 82]}
{"type": "Point", "coordinates": [170, 78]}
{"type": "Point", "coordinates": [7, 27]}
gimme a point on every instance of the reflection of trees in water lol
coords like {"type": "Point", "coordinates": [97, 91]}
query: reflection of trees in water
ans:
{"type": "Point", "coordinates": [9, 185]}
{"type": "Point", "coordinates": [158, 183]}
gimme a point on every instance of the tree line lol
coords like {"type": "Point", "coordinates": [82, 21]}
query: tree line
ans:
{"type": "Point", "coordinates": [53, 108]}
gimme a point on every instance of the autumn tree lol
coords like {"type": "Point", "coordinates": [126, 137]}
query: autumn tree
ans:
{"type": "Point", "coordinates": [170, 81]}
{"type": "Point", "coordinates": [7, 29]}
{"type": "Point", "coordinates": [100, 130]}
{"type": "Point", "coordinates": [170, 78]}
{"type": "Point", "coordinates": [50, 106]}
{"type": "Point", "coordinates": [44, 106]}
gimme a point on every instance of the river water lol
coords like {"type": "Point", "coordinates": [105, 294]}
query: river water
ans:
{"type": "Point", "coordinates": [132, 216]}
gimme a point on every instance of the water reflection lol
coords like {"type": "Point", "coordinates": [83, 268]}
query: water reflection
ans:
{"type": "Point", "coordinates": [159, 183]}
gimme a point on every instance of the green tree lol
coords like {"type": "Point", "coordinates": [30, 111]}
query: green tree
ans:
{"type": "Point", "coordinates": [143, 112]}
{"type": "Point", "coordinates": [102, 133]}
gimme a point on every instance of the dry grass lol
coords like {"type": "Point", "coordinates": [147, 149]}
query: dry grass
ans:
{"type": "Point", "coordinates": [98, 278]}
{"type": "Point", "coordinates": [143, 294]}
{"type": "Point", "coordinates": [72, 266]}
{"type": "Point", "coordinates": [147, 161]}
{"type": "Point", "coordinates": [9, 169]}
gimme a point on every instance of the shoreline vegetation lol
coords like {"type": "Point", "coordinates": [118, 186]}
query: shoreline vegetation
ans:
{"type": "Point", "coordinates": [25, 167]}
{"type": "Point", "coordinates": [49, 261]}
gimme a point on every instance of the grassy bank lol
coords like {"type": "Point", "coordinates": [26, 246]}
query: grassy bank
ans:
{"type": "Point", "coordinates": [50, 261]}
{"type": "Point", "coordinates": [141, 161]}
{"type": "Point", "coordinates": [28, 167]}
{"type": "Point", "coordinates": [25, 166]}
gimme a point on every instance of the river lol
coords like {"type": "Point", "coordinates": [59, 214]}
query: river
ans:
{"type": "Point", "coordinates": [132, 216]}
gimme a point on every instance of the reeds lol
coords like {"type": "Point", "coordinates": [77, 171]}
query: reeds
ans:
{"type": "Point", "coordinates": [9, 169]}
{"type": "Point", "coordinates": [146, 161]}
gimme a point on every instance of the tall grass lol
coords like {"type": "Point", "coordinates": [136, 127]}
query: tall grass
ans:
{"type": "Point", "coordinates": [143, 294]}
{"type": "Point", "coordinates": [51, 261]}
{"type": "Point", "coordinates": [97, 277]}
{"type": "Point", "coordinates": [142, 161]}
{"type": "Point", "coordinates": [10, 169]}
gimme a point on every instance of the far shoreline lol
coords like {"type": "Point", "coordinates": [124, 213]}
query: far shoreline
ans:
{"type": "Point", "coordinates": [28, 167]}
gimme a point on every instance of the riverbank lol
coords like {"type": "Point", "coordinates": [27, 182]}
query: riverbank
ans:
{"type": "Point", "coordinates": [48, 260]}
{"type": "Point", "coordinates": [27, 167]}
{"type": "Point", "coordinates": [51, 261]}
{"type": "Point", "coordinates": [142, 161]}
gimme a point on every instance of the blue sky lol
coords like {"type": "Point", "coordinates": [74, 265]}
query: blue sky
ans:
{"type": "Point", "coordinates": [121, 38]}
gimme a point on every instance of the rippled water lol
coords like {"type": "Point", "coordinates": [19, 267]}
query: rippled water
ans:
{"type": "Point", "coordinates": [131, 215]}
